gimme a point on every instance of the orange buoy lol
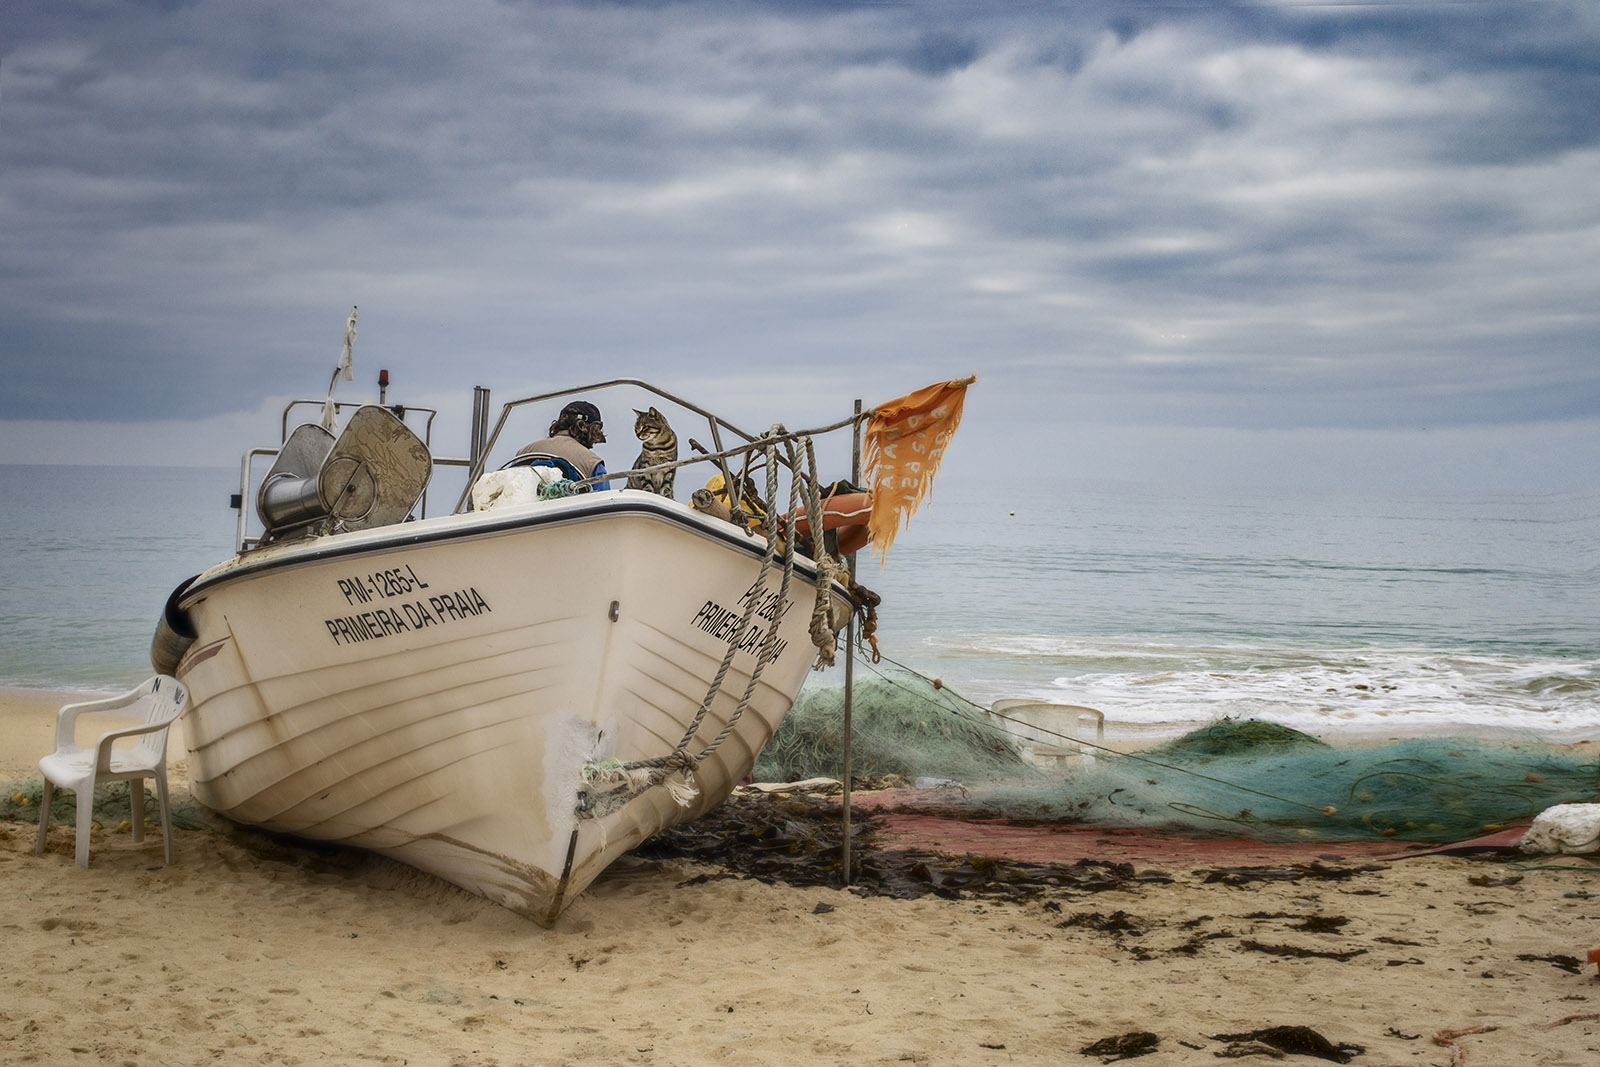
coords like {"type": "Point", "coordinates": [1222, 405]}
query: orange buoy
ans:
{"type": "Point", "coordinates": [847, 515]}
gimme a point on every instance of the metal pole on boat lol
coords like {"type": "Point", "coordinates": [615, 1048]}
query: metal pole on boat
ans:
{"type": "Point", "coordinates": [850, 661]}
{"type": "Point", "coordinates": [480, 424]}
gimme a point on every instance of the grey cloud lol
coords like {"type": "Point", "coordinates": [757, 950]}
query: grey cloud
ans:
{"type": "Point", "coordinates": [1251, 216]}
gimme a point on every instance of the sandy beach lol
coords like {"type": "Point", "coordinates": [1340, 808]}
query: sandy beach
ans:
{"type": "Point", "coordinates": [249, 949]}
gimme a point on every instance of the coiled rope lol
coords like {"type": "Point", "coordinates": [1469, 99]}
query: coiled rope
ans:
{"type": "Point", "coordinates": [828, 569]}
{"type": "Point", "coordinates": [559, 488]}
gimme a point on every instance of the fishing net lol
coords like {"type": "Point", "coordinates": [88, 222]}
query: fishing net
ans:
{"type": "Point", "coordinates": [1218, 781]}
{"type": "Point", "coordinates": [900, 725]}
{"type": "Point", "coordinates": [19, 802]}
{"type": "Point", "coordinates": [1241, 777]}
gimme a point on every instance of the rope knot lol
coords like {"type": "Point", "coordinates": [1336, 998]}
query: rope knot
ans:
{"type": "Point", "coordinates": [557, 489]}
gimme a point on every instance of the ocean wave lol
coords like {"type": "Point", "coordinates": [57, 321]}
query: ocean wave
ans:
{"type": "Point", "coordinates": [1143, 684]}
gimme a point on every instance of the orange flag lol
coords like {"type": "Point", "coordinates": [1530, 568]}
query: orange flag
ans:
{"type": "Point", "coordinates": [905, 440]}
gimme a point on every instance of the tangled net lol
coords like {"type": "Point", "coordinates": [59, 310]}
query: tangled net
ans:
{"type": "Point", "coordinates": [19, 802]}
{"type": "Point", "coordinates": [1233, 777]}
{"type": "Point", "coordinates": [900, 724]}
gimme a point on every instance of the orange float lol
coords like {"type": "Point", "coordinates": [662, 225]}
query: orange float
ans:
{"type": "Point", "coordinates": [846, 515]}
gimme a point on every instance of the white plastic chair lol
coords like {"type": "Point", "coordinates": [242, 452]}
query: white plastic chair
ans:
{"type": "Point", "coordinates": [1051, 732]}
{"type": "Point", "coordinates": [79, 769]}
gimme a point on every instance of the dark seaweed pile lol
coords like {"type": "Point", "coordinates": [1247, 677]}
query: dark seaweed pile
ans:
{"type": "Point", "coordinates": [796, 840]}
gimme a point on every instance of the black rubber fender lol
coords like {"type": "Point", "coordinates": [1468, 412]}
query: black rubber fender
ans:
{"type": "Point", "coordinates": [174, 633]}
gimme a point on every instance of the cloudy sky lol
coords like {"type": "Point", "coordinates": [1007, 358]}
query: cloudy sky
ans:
{"type": "Point", "coordinates": [1259, 242]}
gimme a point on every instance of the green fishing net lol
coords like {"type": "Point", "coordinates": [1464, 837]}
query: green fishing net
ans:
{"type": "Point", "coordinates": [1241, 777]}
{"type": "Point", "coordinates": [1416, 790]}
{"type": "Point", "coordinates": [900, 725]}
{"type": "Point", "coordinates": [19, 802]}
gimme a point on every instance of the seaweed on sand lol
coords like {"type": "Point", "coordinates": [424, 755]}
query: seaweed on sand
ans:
{"type": "Point", "coordinates": [796, 840]}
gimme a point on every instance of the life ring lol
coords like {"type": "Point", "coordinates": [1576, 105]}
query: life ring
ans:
{"type": "Point", "coordinates": [846, 515]}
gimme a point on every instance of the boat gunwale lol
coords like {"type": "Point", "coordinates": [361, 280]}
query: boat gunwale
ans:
{"type": "Point", "coordinates": [470, 526]}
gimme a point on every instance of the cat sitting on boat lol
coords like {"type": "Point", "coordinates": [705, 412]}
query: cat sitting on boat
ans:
{"type": "Point", "coordinates": [660, 446]}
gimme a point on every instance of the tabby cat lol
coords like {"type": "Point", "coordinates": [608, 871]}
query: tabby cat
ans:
{"type": "Point", "coordinates": [660, 446]}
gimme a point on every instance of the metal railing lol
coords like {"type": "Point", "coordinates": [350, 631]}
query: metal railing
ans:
{"type": "Point", "coordinates": [714, 422]}
{"type": "Point", "coordinates": [484, 439]}
{"type": "Point", "coordinates": [244, 503]}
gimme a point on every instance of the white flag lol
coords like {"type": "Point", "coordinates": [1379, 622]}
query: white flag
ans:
{"type": "Point", "coordinates": [330, 413]}
{"type": "Point", "coordinates": [346, 358]}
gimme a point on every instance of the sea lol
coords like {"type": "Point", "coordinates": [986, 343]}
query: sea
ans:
{"type": "Point", "coordinates": [1341, 613]}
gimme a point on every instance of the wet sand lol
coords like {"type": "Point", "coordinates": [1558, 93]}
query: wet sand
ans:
{"type": "Point", "coordinates": [248, 949]}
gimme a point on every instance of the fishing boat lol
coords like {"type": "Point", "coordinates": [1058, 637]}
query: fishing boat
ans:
{"type": "Point", "coordinates": [510, 695]}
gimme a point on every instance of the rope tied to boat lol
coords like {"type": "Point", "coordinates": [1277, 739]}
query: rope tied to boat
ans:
{"type": "Point", "coordinates": [823, 635]}
{"type": "Point", "coordinates": [561, 487]}
{"type": "Point", "coordinates": [867, 608]}
{"type": "Point", "coordinates": [637, 776]}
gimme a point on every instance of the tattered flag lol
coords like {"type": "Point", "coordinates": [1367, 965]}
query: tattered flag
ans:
{"type": "Point", "coordinates": [904, 443]}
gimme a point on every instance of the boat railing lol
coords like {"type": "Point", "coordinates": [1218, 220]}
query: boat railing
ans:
{"type": "Point", "coordinates": [401, 411]}
{"type": "Point", "coordinates": [241, 503]}
{"type": "Point", "coordinates": [484, 440]}
{"type": "Point", "coordinates": [719, 454]}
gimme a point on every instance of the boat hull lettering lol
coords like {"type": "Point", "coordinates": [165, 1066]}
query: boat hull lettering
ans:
{"type": "Point", "coordinates": [442, 708]}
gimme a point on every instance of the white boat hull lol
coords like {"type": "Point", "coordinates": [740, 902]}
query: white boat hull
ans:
{"type": "Point", "coordinates": [434, 691]}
